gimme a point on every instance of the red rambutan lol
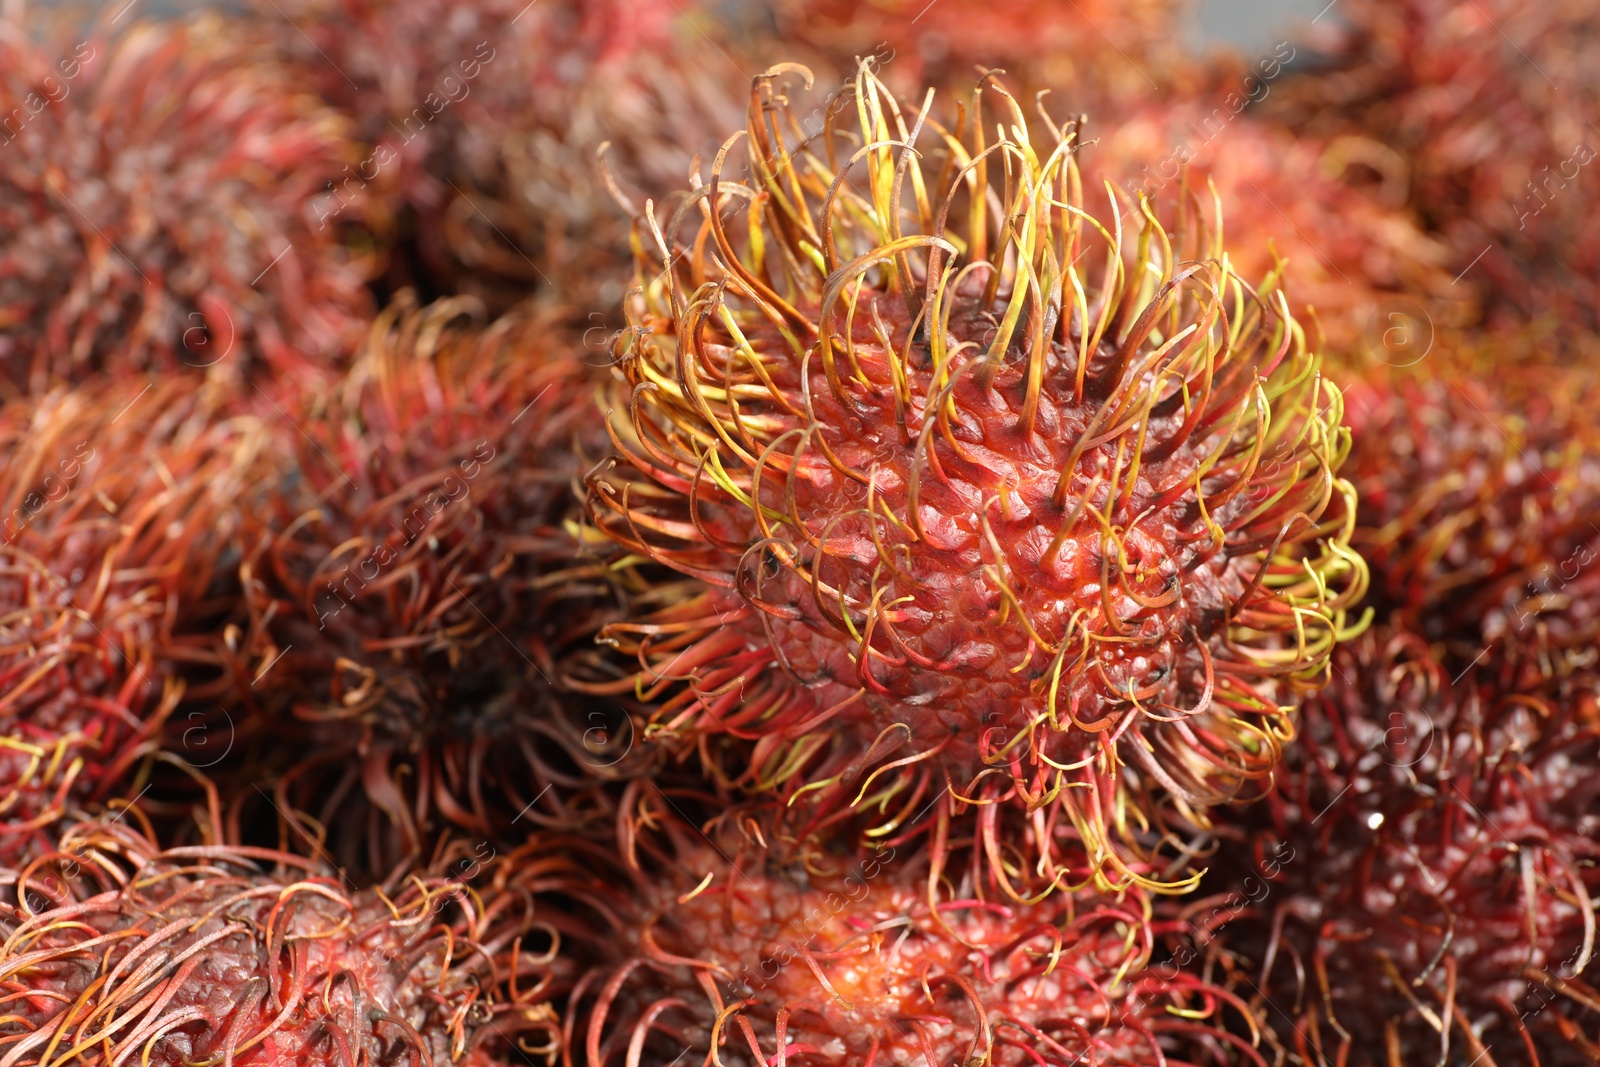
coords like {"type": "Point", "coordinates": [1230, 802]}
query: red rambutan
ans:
{"type": "Point", "coordinates": [1479, 504]}
{"type": "Point", "coordinates": [1094, 55]}
{"type": "Point", "coordinates": [728, 956]}
{"type": "Point", "coordinates": [415, 586]}
{"type": "Point", "coordinates": [155, 193]}
{"type": "Point", "coordinates": [115, 568]}
{"type": "Point", "coordinates": [114, 949]}
{"type": "Point", "coordinates": [973, 516]}
{"type": "Point", "coordinates": [1427, 870]}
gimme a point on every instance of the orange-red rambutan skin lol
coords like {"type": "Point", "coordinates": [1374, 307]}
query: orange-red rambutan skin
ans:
{"type": "Point", "coordinates": [1356, 258]}
{"type": "Point", "coordinates": [855, 967]}
{"type": "Point", "coordinates": [952, 670]}
{"type": "Point", "coordinates": [113, 949]}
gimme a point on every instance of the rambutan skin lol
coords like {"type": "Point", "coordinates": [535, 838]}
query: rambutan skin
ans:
{"type": "Point", "coordinates": [155, 209]}
{"type": "Point", "coordinates": [735, 952]}
{"type": "Point", "coordinates": [1438, 898]}
{"type": "Point", "coordinates": [414, 588]}
{"type": "Point", "coordinates": [122, 502]}
{"type": "Point", "coordinates": [218, 954]}
{"type": "Point", "coordinates": [1478, 505]}
{"type": "Point", "coordinates": [1008, 522]}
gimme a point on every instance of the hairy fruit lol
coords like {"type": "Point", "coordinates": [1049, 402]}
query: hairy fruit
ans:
{"type": "Point", "coordinates": [728, 955]}
{"type": "Point", "coordinates": [1440, 899]}
{"type": "Point", "coordinates": [414, 587]}
{"type": "Point", "coordinates": [1032, 509]}
{"type": "Point", "coordinates": [122, 502]}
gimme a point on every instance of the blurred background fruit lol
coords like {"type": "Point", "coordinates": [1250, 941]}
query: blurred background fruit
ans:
{"type": "Point", "coordinates": [118, 570]}
{"type": "Point", "coordinates": [411, 592]}
{"type": "Point", "coordinates": [156, 195]}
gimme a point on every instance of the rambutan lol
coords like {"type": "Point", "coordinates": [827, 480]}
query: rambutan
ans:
{"type": "Point", "coordinates": [211, 954]}
{"type": "Point", "coordinates": [414, 587]}
{"type": "Point", "coordinates": [1425, 872]}
{"type": "Point", "coordinates": [485, 118]}
{"type": "Point", "coordinates": [1484, 113]}
{"type": "Point", "coordinates": [155, 192]}
{"type": "Point", "coordinates": [1354, 258]}
{"type": "Point", "coordinates": [115, 570]}
{"type": "Point", "coordinates": [1479, 503]}
{"type": "Point", "coordinates": [726, 955]}
{"type": "Point", "coordinates": [971, 516]}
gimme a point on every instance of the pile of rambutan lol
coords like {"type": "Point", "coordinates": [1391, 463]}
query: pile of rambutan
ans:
{"type": "Point", "coordinates": [674, 534]}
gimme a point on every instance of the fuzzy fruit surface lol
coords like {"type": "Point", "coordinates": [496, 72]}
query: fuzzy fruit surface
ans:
{"type": "Point", "coordinates": [248, 955]}
{"type": "Point", "coordinates": [155, 210]}
{"type": "Point", "coordinates": [1488, 145]}
{"type": "Point", "coordinates": [1478, 506]}
{"type": "Point", "coordinates": [481, 120]}
{"type": "Point", "coordinates": [758, 956]}
{"type": "Point", "coordinates": [1443, 842]}
{"type": "Point", "coordinates": [124, 498]}
{"type": "Point", "coordinates": [960, 657]}
{"type": "Point", "coordinates": [414, 588]}
{"type": "Point", "coordinates": [1042, 45]}
{"type": "Point", "coordinates": [1003, 504]}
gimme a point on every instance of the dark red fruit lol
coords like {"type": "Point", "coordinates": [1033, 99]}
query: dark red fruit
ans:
{"type": "Point", "coordinates": [1424, 878]}
{"type": "Point", "coordinates": [1480, 491]}
{"type": "Point", "coordinates": [485, 119]}
{"type": "Point", "coordinates": [417, 583]}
